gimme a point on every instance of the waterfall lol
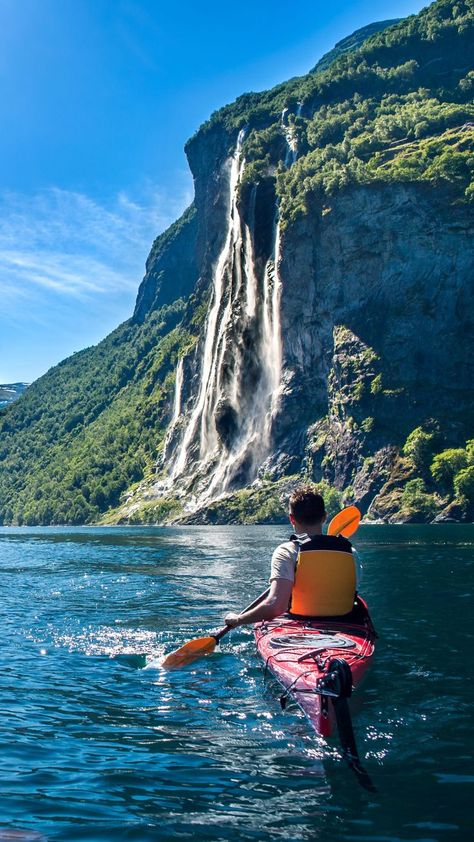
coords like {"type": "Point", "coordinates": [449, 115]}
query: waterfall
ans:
{"type": "Point", "coordinates": [214, 329]}
{"type": "Point", "coordinates": [291, 139]}
{"type": "Point", "coordinates": [222, 441]}
{"type": "Point", "coordinates": [177, 391]}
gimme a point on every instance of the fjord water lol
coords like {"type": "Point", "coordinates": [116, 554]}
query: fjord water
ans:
{"type": "Point", "coordinates": [94, 747]}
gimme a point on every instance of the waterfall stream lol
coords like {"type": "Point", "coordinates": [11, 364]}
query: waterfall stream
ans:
{"type": "Point", "coordinates": [178, 392]}
{"type": "Point", "coordinates": [291, 139]}
{"type": "Point", "coordinates": [220, 437]}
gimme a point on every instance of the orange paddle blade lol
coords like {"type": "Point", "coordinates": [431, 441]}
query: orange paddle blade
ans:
{"type": "Point", "coordinates": [190, 652]}
{"type": "Point", "coordinates": [345, 523]}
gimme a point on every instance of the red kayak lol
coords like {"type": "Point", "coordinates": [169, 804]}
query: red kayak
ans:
{"type": "Point", "coordinates": [318, 662]}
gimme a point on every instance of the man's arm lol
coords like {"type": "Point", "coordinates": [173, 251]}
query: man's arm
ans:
{"type": "Point", "coordinates": [275, 604]}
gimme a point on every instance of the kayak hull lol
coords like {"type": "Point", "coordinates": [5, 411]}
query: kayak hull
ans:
{"type": "Point", "coordinates": [298, 652]}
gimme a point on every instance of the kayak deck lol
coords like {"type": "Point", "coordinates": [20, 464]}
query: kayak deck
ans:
{"type": "Point", "coordinates": [299, 653]}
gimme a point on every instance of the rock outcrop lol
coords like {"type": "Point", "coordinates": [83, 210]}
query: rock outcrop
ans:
{"type": "Point", "coordinates": [376, 312]}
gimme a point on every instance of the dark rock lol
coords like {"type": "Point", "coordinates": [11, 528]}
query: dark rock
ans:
{"type": "Point", "coordinates": [455, 512]}
{"type": "Point", "coordinates": [369, 271]}
{"type": "Point", "coordinates": [374, 473]}
{"type": "Point", "coordinates": [171, 268]}
{"type": "Point", "coordinates": [387, 504]}
{"type": "Point", "coordinates": [227, 423]}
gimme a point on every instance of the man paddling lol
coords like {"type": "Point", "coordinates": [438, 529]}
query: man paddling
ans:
{"type": "Point", "coordinates": [311, 574]}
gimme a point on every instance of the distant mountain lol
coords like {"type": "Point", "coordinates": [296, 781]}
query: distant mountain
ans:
{"type": "Point", "coordinates": [10, 392]}
{"type": "Point", "coordinates": [352, 42]}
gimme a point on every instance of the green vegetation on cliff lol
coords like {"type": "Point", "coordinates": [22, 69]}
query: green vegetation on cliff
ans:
{"type": "Point", "coordinates": [92, 426]}
{"type": "Point", "coordinates": [436, 480]}
{"type": "Point", "coordinates": [352, 42]}
{"type": "Point", "coordinates": [398, 108]}
{"type": "Point", "coordinates": [263, 502]}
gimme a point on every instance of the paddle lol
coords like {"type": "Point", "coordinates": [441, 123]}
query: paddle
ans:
{"type": "Point", "coordinates": [195, 649]}
{"type": "Point", "coordinates": [345, 523]}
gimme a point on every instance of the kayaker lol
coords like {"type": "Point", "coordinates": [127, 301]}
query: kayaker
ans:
{"type": "Point", "coordinates": [311, 574]}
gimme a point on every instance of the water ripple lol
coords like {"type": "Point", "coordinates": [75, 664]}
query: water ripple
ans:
{"type": "Point", "coordinates": [95, 747]}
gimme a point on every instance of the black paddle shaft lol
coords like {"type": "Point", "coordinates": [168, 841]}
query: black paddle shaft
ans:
{"type": "Point", "coordinates": [220, 634]}
{"type": "Point", "coordinates": [348, 743]}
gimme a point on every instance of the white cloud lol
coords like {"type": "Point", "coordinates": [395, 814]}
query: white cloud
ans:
{"type": "Point", "coordinates": [70, 268]}
{"type": "Point", "coordinates": [65, 244]}
{"type": "Point", "coordinates": [79, 276]}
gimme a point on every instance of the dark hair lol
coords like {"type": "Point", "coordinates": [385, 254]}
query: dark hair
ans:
{"type": "Point", "coordinates": [306, 505]}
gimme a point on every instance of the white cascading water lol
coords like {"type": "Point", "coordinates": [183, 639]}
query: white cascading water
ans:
{"type": "Point", "coordinates": [240, 364]}
{"type": "Point", "coordinates": [178, 388]}
{"type": "Point", "coordinates": [214, 329]}
{"type": "Point", "coordinates": [291, 139]}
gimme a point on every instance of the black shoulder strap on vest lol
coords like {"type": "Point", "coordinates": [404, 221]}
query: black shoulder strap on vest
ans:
{"type": "Point", "coordinates": [322, 542]}
{"type": "Point", "coordinates": [301, 540]}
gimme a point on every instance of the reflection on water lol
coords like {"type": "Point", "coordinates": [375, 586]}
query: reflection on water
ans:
{"type": "Point", "coordinates": [94, 747]}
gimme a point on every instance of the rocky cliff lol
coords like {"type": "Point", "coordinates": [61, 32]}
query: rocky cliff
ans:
{"type": "Point", "coordinates": [376, 318]}
{"type": "Point", "coordinates": [380, 348]}
{"type": "Point", "coordinates": [372, 287]}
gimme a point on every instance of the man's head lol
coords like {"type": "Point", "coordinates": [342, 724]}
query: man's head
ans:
{"type": "Point", "coordinates": [306, 508]}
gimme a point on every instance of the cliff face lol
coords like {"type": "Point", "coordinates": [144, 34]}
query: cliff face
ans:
{"type": "Point", "coordinates": [375, 316]}
{"type": "Point", "coordinates": [180, 259]}
{"type": "Point", "coordinates": [330, 338]}
{"type": "Point", "coordinates": [171, 267]}
{"type": "Point", "coordinates": [376, 320]}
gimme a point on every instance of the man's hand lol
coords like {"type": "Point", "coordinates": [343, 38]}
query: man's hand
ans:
{"type": "Point", "coordinates": [232, 620]}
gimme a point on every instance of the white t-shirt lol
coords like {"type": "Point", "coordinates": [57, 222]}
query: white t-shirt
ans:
{"type": "Point", "coordinates": [285, 557]}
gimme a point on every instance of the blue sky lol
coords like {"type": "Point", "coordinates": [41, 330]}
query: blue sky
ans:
{"type": "Point", "coordinates": [97, 98]}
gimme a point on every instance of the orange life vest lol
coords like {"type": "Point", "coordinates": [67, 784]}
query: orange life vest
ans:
{"type": "Point", "coordinates": [325, 577]}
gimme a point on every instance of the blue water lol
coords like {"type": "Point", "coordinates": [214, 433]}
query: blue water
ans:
{"type": "Point", "coordinates": [93, 747]}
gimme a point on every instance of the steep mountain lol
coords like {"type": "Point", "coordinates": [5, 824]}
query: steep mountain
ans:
{"type": "Point", "coordinates": [352, 42]}
{"type": "Point", "coordinates": [308, 316]}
